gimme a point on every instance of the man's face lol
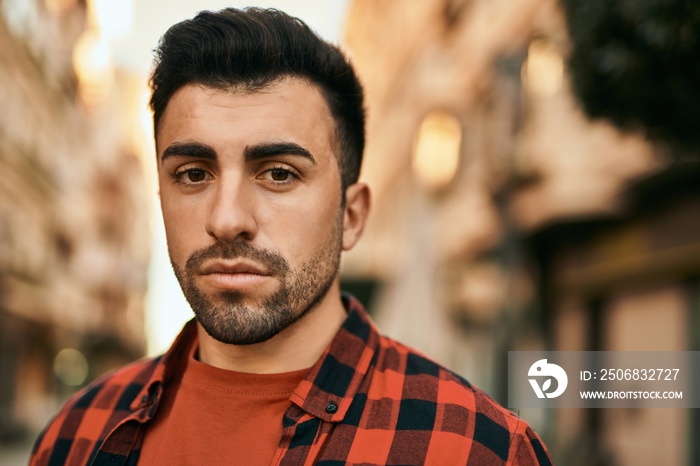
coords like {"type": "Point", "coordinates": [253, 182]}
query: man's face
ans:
{"type": "Point", "coordinates": [251, 198]}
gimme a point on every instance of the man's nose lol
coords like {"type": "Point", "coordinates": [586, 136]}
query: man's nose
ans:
{"type": "Point", "coordinates": [231, 214]}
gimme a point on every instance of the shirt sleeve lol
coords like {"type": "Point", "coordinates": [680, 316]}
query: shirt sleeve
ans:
{"type": "Point", "coordinates": [528, 449]}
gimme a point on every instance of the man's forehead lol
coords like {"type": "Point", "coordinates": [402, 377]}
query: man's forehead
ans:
{"type": "Point", "coordinates": [283, 92]}
{"type": "Point", "coordinates": [286, 107]}
{"type": "Point", "coordinates": [281, 104]}
{"type": "Point", "coordinates": [282, 88]}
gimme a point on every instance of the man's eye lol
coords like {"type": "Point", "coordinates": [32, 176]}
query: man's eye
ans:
{"type": "Point", "coordinates": [196, 175]}
{"type": "Point", "coordinates": [278, 174]}
{"type": "Point", "coordinates": [191, 176]}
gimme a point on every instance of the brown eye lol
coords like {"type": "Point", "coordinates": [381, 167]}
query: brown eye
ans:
{"type": "Point", "coordinates": [195, 176]}
{"type": "Point", "coordinates": [279, 175]}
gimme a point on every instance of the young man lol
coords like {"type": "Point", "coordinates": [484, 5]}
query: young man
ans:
{"type": "Point", "coordinates": [259, 130]}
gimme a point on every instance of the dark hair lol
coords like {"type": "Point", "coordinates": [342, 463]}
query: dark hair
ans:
{"type": "Point", "coordinates": [252, 48]}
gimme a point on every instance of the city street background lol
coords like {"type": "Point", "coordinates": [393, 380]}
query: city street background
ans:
{"type": "Point", "coordinates": [533, 167]}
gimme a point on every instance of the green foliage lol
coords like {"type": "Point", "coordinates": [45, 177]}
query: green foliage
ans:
{"type": "Point", "coordinates": [637, 63]}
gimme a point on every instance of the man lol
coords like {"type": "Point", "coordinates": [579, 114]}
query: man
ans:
{"type": "Point", "coordinates": [259, 130]}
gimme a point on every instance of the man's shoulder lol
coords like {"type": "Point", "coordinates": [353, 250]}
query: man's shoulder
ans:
{"type": "Point", "coordinates": [90, 414]}
{"type": "Point", "coordinates": [436, 398]}
{"type": "Point", "coordinates": [394, 356]}
{"type": "Point", "coordinates": [116, 389]}
{"type": "Point", "coordinates": [422, 376]}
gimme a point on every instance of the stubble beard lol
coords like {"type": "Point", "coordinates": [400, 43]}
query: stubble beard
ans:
{"type": "Point", "coordinates": [230, 320]}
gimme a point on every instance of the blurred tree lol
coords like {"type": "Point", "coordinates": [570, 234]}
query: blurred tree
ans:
{"type": "Point", "coordinates": [637, 63]}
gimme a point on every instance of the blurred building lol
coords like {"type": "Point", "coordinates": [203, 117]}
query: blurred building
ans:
{"type": "Point", "coordinates": [73, 211]}
{"type": "Point", "coordinates": [505, 219]}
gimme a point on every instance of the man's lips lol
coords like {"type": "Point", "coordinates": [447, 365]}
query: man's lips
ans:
{"type": "Point", "coordinates": [233, 274]}
{"type": "Point", "coordinates": [232, 267]}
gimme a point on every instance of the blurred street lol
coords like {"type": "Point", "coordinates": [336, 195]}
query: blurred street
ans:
{"type": "Point", "coordinates": [533, 168]}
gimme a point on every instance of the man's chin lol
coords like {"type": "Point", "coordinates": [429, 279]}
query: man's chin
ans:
{"type": "Point", "coordinates": [244, 326]}
{"type": "Point", "coordinates": [238, 339]}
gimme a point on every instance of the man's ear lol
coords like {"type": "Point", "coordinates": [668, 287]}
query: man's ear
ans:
{"type": "Point", "coordinates": [357, 203]}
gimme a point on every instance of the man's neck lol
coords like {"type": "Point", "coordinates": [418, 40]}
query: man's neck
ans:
{"type": "Point", "coordinates": [297, 347]}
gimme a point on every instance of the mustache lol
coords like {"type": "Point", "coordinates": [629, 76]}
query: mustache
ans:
{"type": "Point", "coordinates": [238, 249]}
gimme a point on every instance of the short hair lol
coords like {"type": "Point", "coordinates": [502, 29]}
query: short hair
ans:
{"type": "Point", "coordinates": [250, 49]}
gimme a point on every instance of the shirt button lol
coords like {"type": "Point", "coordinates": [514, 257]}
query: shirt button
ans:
{"type": "Point", "coordinates": [331, 408]}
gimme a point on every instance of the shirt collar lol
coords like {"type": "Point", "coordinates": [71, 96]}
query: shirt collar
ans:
{"type": "Point", "coordinates": [166, 366]}
{"type": "Point", "coordinates": [334, 380]}
{"type": "Point", "coordinates": [328, 389]}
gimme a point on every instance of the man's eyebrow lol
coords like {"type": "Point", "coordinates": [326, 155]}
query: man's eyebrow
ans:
{"type": "Point", "coordinates": [261, 151]}
{"type": "Point", "coordinates": [189, 149]}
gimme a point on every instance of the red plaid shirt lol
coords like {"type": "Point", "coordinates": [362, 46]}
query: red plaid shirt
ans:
{"type": "Point", "coordinates": [368, 400]}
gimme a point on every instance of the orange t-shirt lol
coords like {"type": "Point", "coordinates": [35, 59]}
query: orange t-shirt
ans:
{"type": "Point", "coordinates": [214, 416]}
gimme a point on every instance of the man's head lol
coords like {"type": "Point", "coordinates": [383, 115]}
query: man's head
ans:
{"type": "Point", "coordinates": [245, 51]}
{"type": "Point", "coordinates": [259, 135]}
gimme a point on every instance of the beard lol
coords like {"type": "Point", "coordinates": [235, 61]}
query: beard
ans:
{"type": "Point", "coordinates": [228, 319]}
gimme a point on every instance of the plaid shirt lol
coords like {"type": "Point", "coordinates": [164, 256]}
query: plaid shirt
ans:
{"type": "Point", "coordinates": [368, 400]}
